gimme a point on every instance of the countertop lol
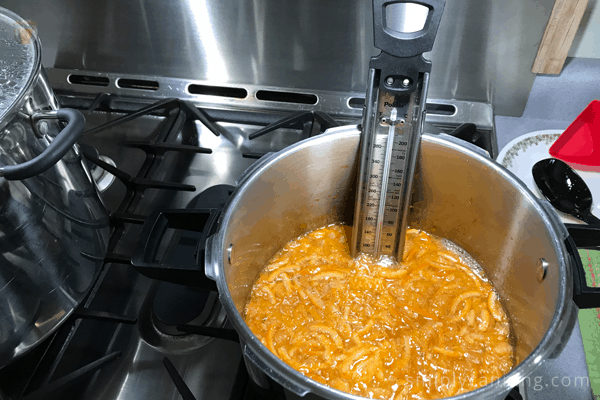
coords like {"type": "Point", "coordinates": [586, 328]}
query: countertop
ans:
{"type": "Point", "coordinates": [554, 102]}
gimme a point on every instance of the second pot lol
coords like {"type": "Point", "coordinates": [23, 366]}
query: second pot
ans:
{"type": "Point", "coordinates": [53, 226]}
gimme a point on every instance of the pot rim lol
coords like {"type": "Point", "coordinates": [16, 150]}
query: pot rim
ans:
{"type": "Point", "coordinates": [298, 383]}
{"type": "Point", "coordinates": [25, 91]}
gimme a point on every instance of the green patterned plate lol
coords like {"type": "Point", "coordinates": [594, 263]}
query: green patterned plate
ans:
{"type": "Point", "coordinates": [519, 156]}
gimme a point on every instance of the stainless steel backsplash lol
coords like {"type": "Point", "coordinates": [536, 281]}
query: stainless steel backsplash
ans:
{"type": "Point", "coordinates": [483, 51]}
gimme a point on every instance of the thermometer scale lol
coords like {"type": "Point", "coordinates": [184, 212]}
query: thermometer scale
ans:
{"type": "Point", "coordinates": [392, 126]}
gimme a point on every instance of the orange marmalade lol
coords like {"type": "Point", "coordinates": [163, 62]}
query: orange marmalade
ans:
{"type": "Point", "coordinates": [427, 328]}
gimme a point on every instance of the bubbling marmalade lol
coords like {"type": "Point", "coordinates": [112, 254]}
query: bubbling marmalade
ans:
{"type": "Point", "coordinates": [426, 329]}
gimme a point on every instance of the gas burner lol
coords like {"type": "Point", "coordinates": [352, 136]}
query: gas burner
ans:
{"type": "Point", "coordinates": [101, 177]}
{"type": "Point", "coordinates": [176, 305]}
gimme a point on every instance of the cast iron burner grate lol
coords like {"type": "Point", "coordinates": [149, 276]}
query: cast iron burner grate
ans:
{"type": "Point", "coordinates": [312, 123]}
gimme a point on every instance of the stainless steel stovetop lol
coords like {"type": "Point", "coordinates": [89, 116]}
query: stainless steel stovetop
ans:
{"type": "Point", "coordinates": [126, 341]}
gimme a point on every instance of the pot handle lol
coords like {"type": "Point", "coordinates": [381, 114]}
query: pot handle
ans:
{"type": "Point", "coordinates": [59, 146]}
{"type": "Point", "coordinates": [573, 236]}
{"type": "Point", "coordinates": [151, 236]}
{"type": "Point", "coordinates": [583, 236]}
{"type": "Point", "coordinates": [464, 143]}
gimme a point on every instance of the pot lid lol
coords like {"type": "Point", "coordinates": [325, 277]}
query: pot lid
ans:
{"type": "Point", "coordinates": [19, 61]}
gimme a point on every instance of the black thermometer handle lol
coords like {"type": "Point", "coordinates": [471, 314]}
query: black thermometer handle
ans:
{"type": "Point", "coordinates": [405, 44]}
{"type": "Point", "coordinates": [401, 60]}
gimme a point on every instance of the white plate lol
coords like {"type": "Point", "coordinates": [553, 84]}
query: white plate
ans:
{"type": "Point", "coordinates": [522, 153]}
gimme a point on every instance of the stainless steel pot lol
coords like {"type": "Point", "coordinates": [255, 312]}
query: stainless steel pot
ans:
{"type": "Point", "coordinates": [53, 226]}
{"type": "Point", "coordinates": [459, 194]}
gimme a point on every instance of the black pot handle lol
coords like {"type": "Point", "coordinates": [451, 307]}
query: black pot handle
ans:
{"type": "Point", "coordinates": [59, 146]}
{"type": "Point", "coordinates": [179, 272]}
{"type": "Point", "coordinates": [582, 236]}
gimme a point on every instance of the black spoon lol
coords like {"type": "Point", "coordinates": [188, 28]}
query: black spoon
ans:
{"type": "Point", "coordinates": [564, 189]}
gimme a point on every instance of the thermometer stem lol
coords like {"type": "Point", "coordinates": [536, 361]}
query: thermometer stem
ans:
{"type": "Point", "coordinates": [385, 180]}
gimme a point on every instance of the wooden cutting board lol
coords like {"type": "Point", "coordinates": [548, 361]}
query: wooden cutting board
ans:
{"type": "Point", "coordinates": [558, 37]}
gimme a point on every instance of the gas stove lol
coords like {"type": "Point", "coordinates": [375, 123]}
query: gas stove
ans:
{"type": "Point", "coordinates": [152, 326]}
